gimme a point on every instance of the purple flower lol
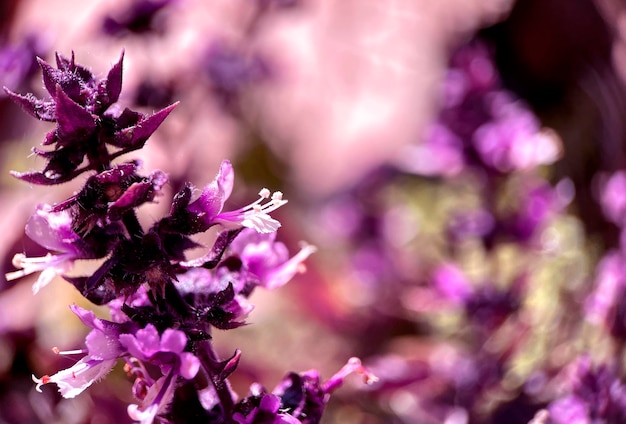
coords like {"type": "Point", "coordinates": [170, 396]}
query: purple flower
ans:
{"type": "Point", "coordinates": [439, 154]}
{"type": "Point", "coordinates": [167, 352]}
{"type": "Point", "coordinates": [266, 260]}
{"type": "Point", "coordinates": [207, 209]}
{"type": "Point", "coordinates": [52, 230]}
{"type": "Point", "coordinates": [103, 351]}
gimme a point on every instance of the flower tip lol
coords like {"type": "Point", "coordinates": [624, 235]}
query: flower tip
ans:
{"type": "Point", "coordinates": [355, 364]}
{"type": "Point", "coordinates": [40, 381]}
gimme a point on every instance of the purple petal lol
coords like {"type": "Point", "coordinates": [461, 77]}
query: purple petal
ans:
{"type": "Point", "coordinates": [214, 194]}
{"type": "Point", "coordinates": [75, 380]}
{"type": "Point", "coordinates": [86, 316]}
{"type": "Point", "coordinates": [173, 341]}
{"type": "Point", "coordinates": [135, 195]}
{"type": "Point", "coordinates": [117, 174]}
{"type": "Point", "coordinates": [189, 365]}
{"type": "Point", "coordinates": [144, 344]}
{"type": "Point", "coordinates": [52, 230]}
{"type": "Point", "coordinates": [103, 346]}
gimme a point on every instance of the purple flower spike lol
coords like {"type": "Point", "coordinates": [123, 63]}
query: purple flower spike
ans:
{"type": "Point", "coordinates": [298, 398]}
{"type": "Point", "coordinates": [304, 397]}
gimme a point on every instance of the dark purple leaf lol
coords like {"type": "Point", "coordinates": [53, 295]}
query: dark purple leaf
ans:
{"type": "Point", "coordinates": [39, 109]}
{"type": "Point", "coordinates": [74, 122]}
{"type": "Point", "coordinates": [136, 135]}
{"type": "Point", "coordinates": [113, 83]}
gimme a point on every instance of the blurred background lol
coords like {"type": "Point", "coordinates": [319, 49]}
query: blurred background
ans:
{"type": "Point", "coordinates": [459, 164]}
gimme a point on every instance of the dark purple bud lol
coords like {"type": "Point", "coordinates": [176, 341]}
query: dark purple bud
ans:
{"type": "Point", "coordinates": [68, 81]}
{"type": "Point", "coordinates": [69, 65]}
{"type": "Point", "coordinates": [137, 194]}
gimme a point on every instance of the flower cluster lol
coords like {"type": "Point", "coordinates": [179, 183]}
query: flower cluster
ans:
{"type": "Point", "coordinates": [163, 304]}
{"type": "Point", "coordinates": [466, 249]}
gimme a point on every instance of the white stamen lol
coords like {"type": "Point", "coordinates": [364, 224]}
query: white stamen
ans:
{"type": "Point", "coordinates": [28, 265]}
{"type": "Point", "coordinates": [256, 215]}
{"type": "Point", "coordinates": [69, 352]}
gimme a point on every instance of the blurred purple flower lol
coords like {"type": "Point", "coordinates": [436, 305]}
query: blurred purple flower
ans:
{"type": "Point", "coordinates": [451, 283]}
{"type": "Point", "coordinates": [18, 62]}
{"type": "Point", "coordinates": [230, 70]}
{"type": "Point", "coordinates": [480, 123]}
{"type": "Point", "coordinates": [596, 395]}
{"type": "Point", "coordinates": [612, 197]}
{"type": "Point", "coordinates": [538, 203]}
{"type": "Point", "coordinates": [512, 139]}
{"type": "Point", "coordinates": [139, 17]}
{"type": "Point", "coordinates": [602, 304]}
